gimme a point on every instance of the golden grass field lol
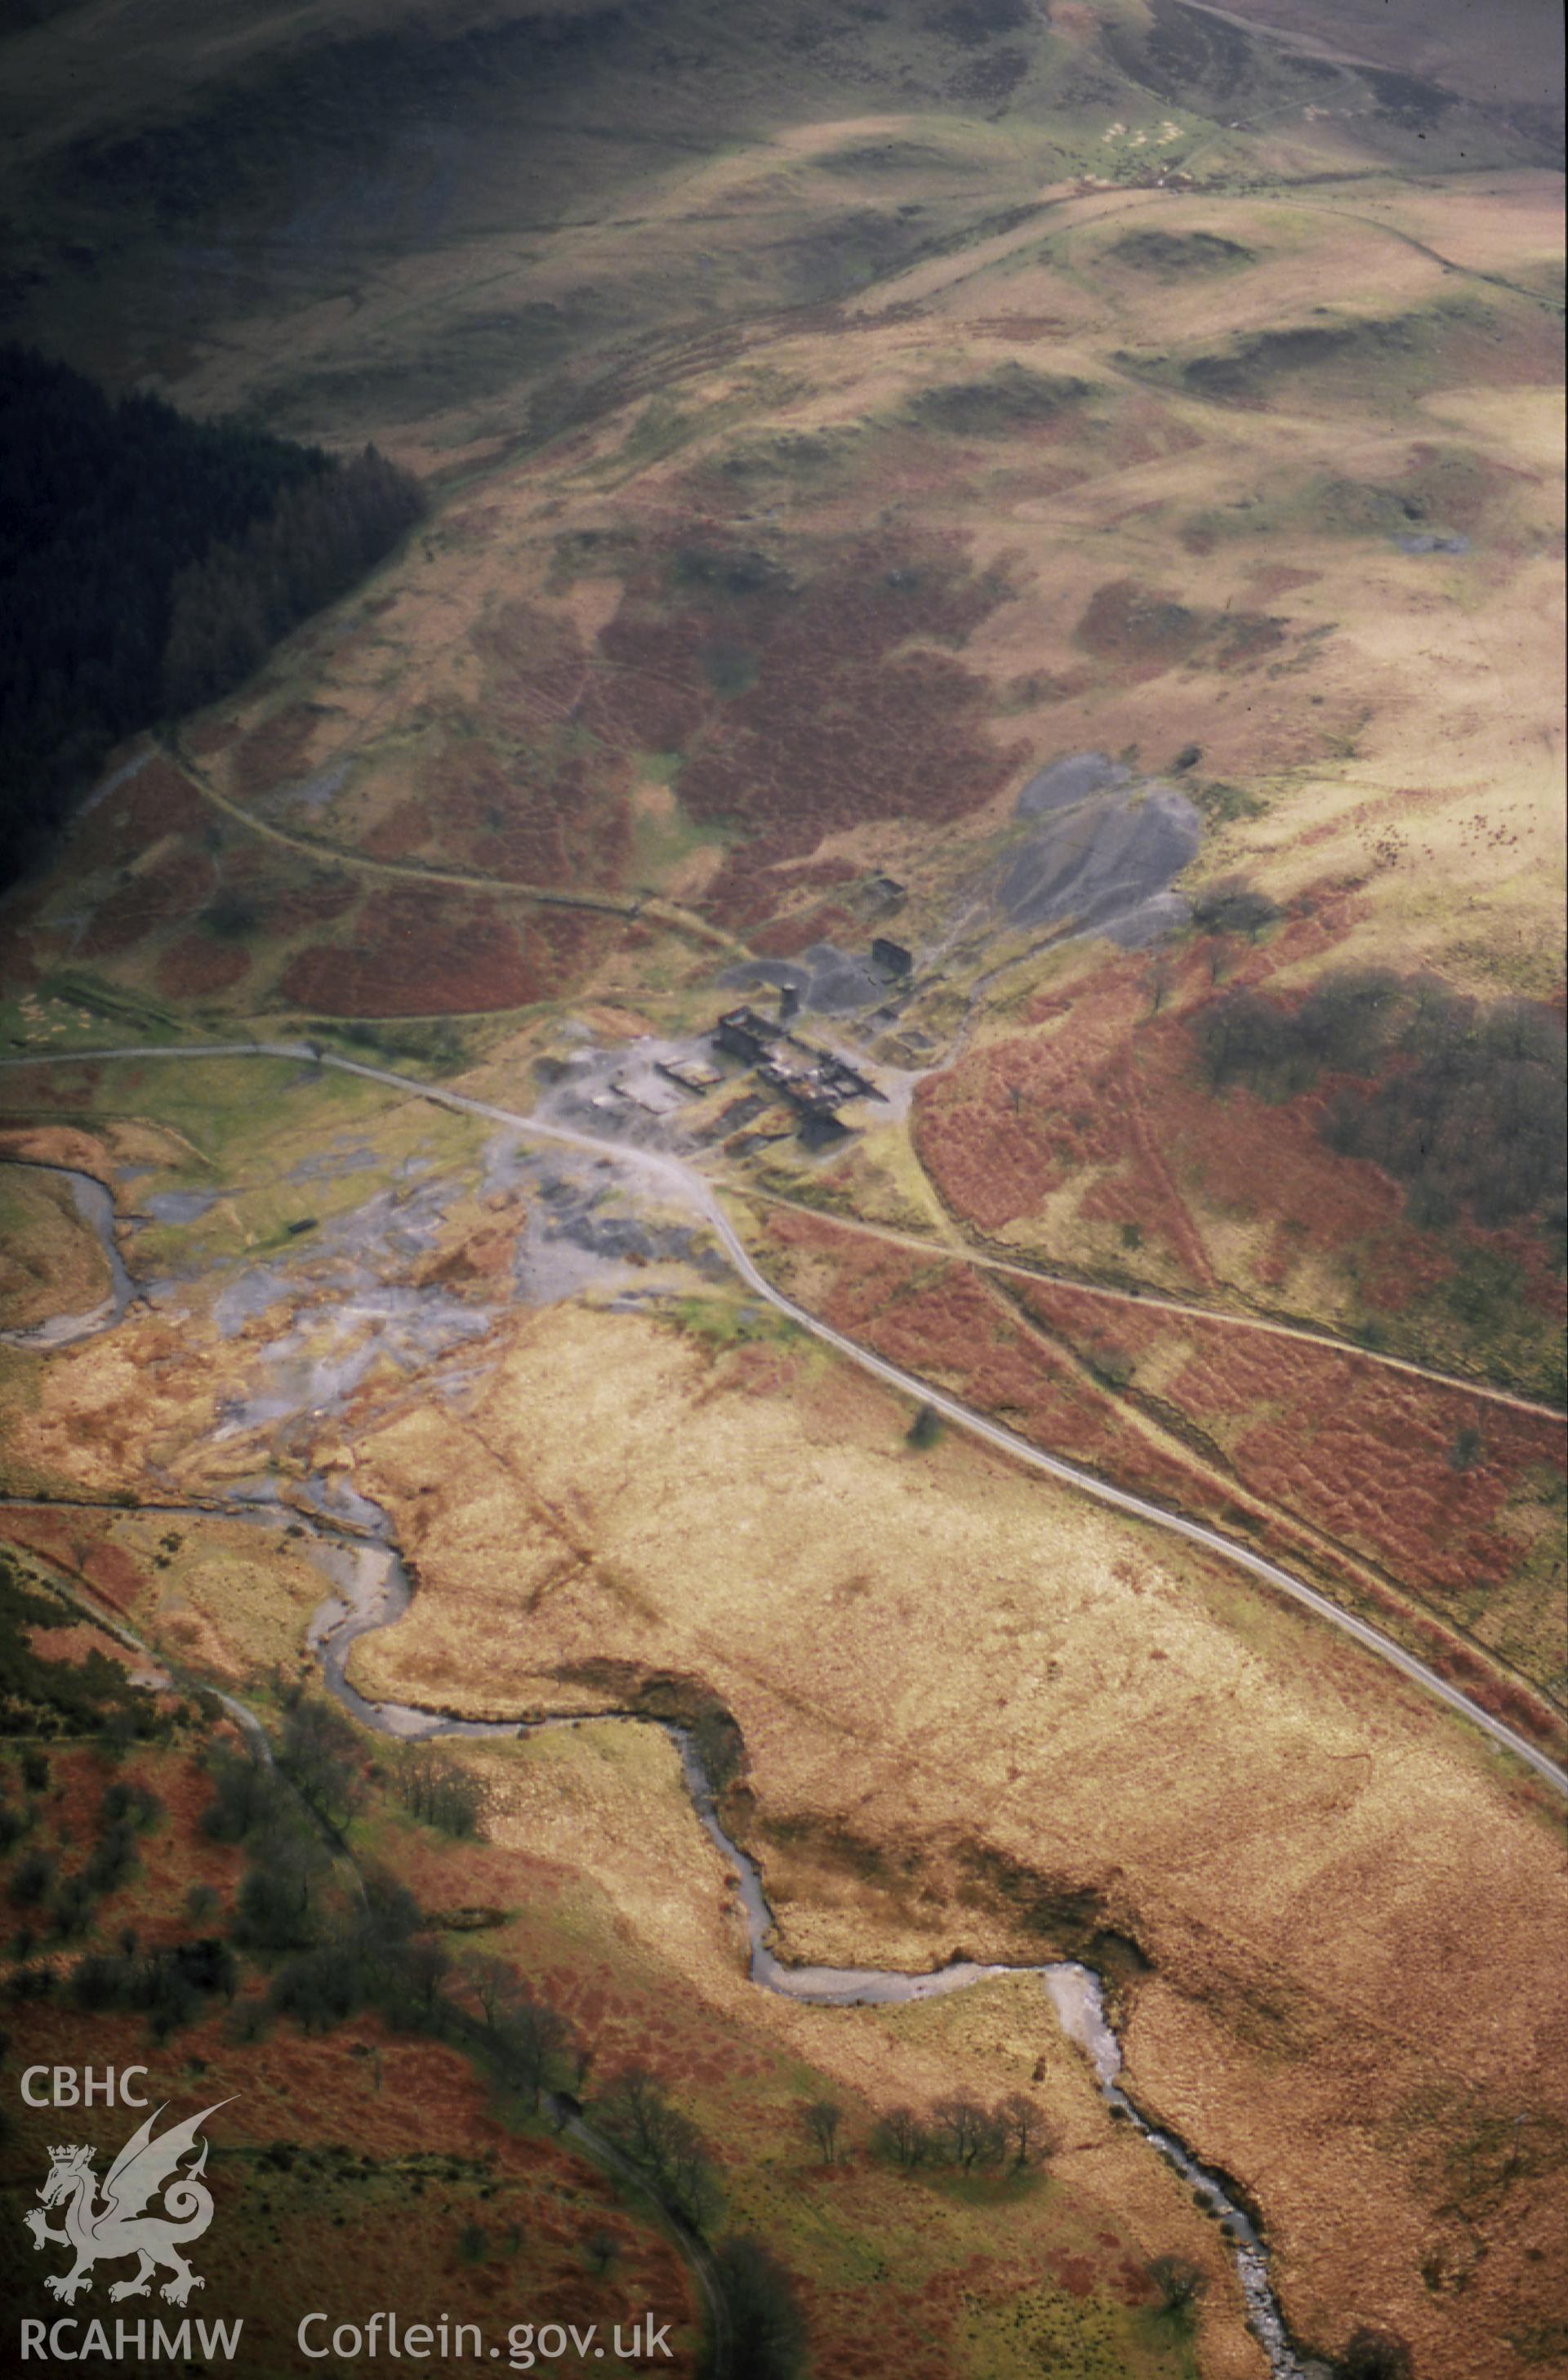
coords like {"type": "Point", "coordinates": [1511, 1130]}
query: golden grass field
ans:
{"type": "Point", "coordinates": [895, 412]}
{"type": "Point", "coordinates": [52, 1264]}
{"type": "Point", "coordinates": [906, 1641]}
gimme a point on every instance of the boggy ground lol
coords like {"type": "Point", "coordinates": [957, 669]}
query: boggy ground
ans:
{"type": "Point", "coordinates": [1163, 1759]}
{"type": "Point", "coordinates": [52, 1264]}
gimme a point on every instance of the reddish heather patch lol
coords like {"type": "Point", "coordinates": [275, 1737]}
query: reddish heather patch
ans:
{"type": "Point", "coordinates": [78, 1545]}
{"type": "Point", "coordinates": [1077, 2275]}
{"type": "Point", "coordinates": [769, 889]}
{"type": "Point", "coordinates": [1347, 1444]}
{"type": "Point", "coordinates": [838, 724]}
{"type": "Point", "coordinates": [156, 801]}
{"type": "Point", "coordinates": [273, 751]}
{"type": "Point", "coordinates": [1341, 1448]}
{"type": "Point", "coordinates": [49, 1086]}
{"type": "Point", "coordinates": [57, 1539]}
{"type": "Point", "coordinates": [899, 2332]}
{"type": "Point", "coordinates": [73, 1641]}
{"type": "Point", "coordinates": [549, 821]}
{"type": "Point", "coordinates": [537, 670]}
{"type": "Point", "coordinates": [115, 1576]}
{"type": "Point", "coordinates": [290, 902]}
{"type": "Point", "coordinates": [1146, 632]}
{"type": "Point", "coordinates": [174, 890]}
{"type": "Point", "coordinates": [648, 690]}
{"type": "Point", "coordinates": [401, 831]}
{"type": "Point", "coordinates": [197, 965]}
{"type": "Point", "coordinates": [425, 953]}
{"type": "Point", "coordinates": [945, 1323]}
{"type": "Point", "coordinates": [1119, 1090]}
{"type": "Point", "coordinates": [1007, 1127]}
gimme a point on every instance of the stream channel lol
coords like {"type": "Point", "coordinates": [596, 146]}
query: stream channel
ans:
{"type": "Point", "coordinates": [95, 1205]}
{"type": "Point", "coordinates": [372, 1589]}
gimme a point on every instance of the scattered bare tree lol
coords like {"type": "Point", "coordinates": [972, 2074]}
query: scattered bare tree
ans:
{"type": "Point", "coordinates": [663, 2141]}
{"type": "Point", "coordinates": [531, 2036]}
{"type": "Point", "coordinates": [320, 1757]}
{"type": "Point", "coordinates": [1180, 2283]}
{"type": "Point", "coordinates": [494, 1985]}
{"type": "Point", "coordinates": [441, 1791]}
{"type": "Point", "coordinates": [968, 2131]}
{"type": "Point", "coordinates": [901, 2137]}
{"type": "Point", "coordinates": [1024, 2129]}
{"type": "Point", "coordinates": [822, 2119]}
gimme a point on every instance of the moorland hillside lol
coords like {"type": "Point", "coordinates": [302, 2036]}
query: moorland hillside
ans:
{"type": "Point", "coordinates": [1026, 537]}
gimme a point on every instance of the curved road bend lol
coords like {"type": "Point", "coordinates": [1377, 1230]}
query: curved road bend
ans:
{"type": "Point", "coordinates": [648, 905]}
{"type": "Point", "coordinates": [687, 1185]}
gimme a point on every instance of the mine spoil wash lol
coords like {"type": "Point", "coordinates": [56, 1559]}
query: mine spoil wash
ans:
{"type": "Point", "coordinates": [352, 1543]}
{"type": "Point", "coordinates": [669, 1175]}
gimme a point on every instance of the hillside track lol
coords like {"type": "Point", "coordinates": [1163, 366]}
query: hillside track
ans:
{"type": "Point", "coordinates": [1155, 1301]}
{"type": "Point", "coordinates": [644, 910]}
{"type": "Point", "coordinates": [690, 1188]}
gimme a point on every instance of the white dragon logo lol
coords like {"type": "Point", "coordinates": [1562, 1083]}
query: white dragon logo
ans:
{"type": "Point", "coordinates": [116, 2224]}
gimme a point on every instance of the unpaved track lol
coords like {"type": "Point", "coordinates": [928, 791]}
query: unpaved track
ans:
{"type": "Point", "coordinates": [681, 1183]}
{"type": "Point", "coordinates": [650, 910]}
{"type": "Point", "coordinates": [1154, 1301]}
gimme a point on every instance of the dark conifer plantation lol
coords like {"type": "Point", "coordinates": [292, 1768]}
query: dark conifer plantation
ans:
{"type": "Point", "coordinates": [147, 561]}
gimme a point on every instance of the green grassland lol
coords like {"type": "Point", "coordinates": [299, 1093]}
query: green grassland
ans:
{"type": "Point", "coordinates": [244, 1126]}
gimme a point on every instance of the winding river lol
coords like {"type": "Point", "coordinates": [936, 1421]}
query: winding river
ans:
{"type": "Point", "coordinates": [95, 1207]}
{"type": "Point", "coordinates": [669, 1176]}
{"type": "Point", "coordinates": [372, 1590]}
{"type": "Point", "coordinates": [352, 1544]}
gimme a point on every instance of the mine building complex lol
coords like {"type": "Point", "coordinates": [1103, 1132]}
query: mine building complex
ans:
{"type": "Point", "coordinates": [815, 1082]}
